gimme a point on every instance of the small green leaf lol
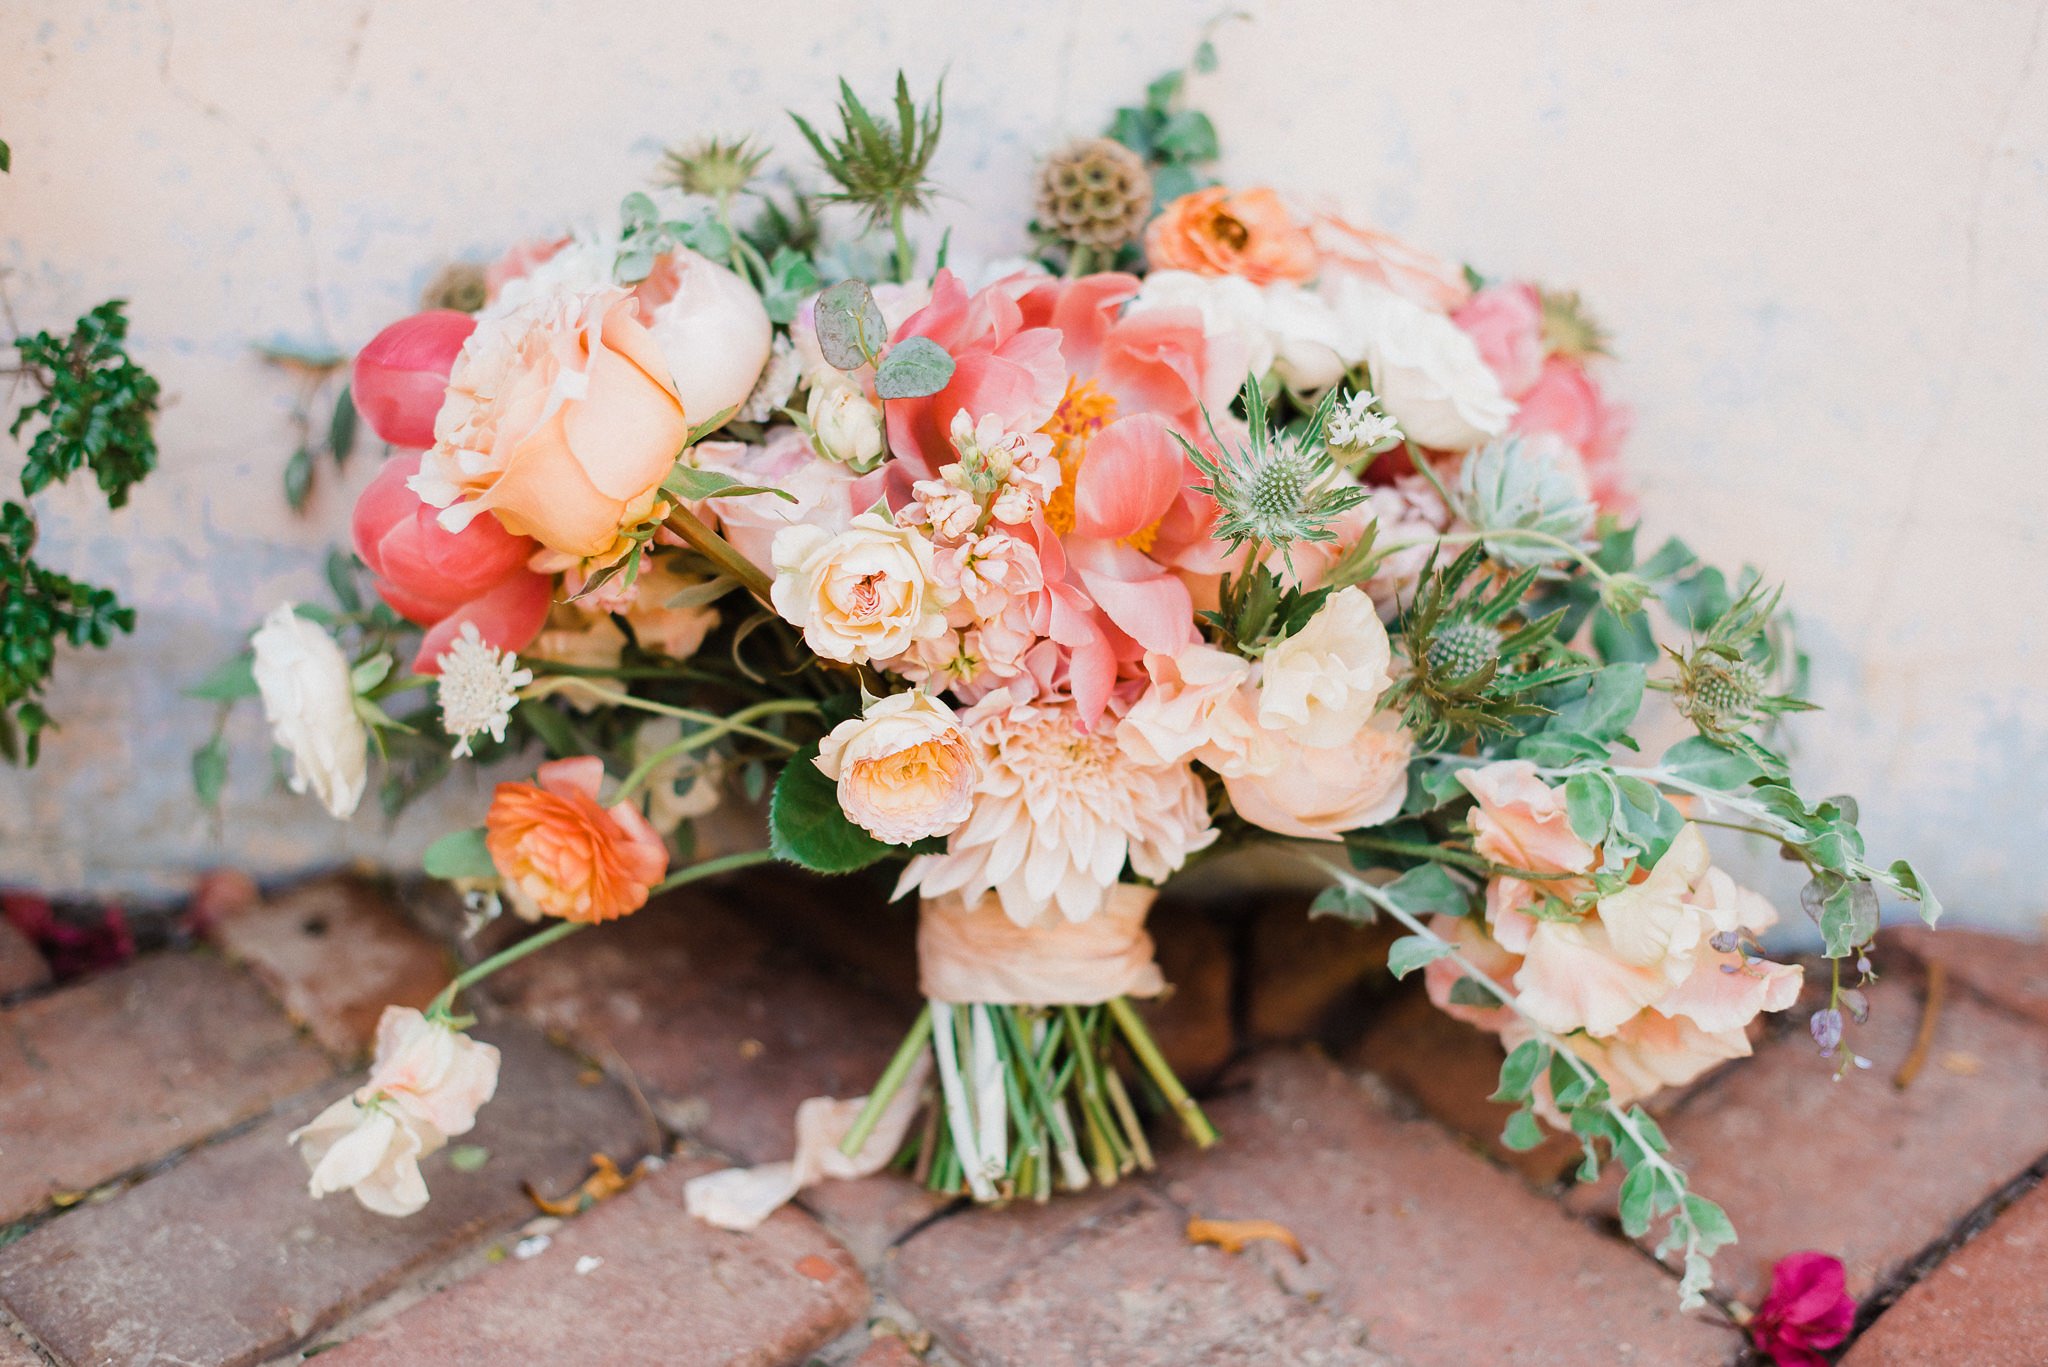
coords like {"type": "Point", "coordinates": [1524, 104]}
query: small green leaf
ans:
{"type": "Point", "coordinates": [694, 485]}
{"type": "Point", "coordinates": [460, 854]}
{"type": "Point", "coordinates": [1612, 700]}
{"type": "Point", "coordinates": [210, 770]}
{"type": "Point", "coordinates": [851, 330]}
{"type": "Point", "coordinates": [1519, 1071]}
{"type": "Point", "coordinates": [1411, 952]}
{"type": "Point", "coordinates": [1908, 881]}
{"type": "Point", "coordinates": [1639, 1193]}
{"type": "Point", "coordinates": [1848, 918]}
{"type": "Point", "coordinates": [231, 679]}
{"type": "Point", "coordinates": [341, 577]}
{"type": "Point", "coordinates": [806, 825]}
{"type": "Point", "coordinates": [298, 479]}
{"type": "Point", "coordinates": [1472, 992]}
{"type": "Point", "coordinates": [371, 672]}
{"type": "Point", "coordinates": [1344, 902]}
{"type": "Point", "coordinates": [1713, 1227]}
{"type": "Point", "coordinates": [1589, 806]}
{"type": "Point", "coordinates": [637, 212]}
{"type": "Point", "coordinates": [1523, 1133]}
{"type": "Point", "coordinates": [1427, 890]}
{"type": "Point", "coordinates": [1699, 760]}
{"type": "Point", "coordinates": [6, 158]}
{"type": "Point", "coordinates": [914, 367]}
{"type": "Point", "coordinates": [341, 428]}
{"type": "Point", "coordinates": [468, 1157]}
{"type": "Point", "coordinates": [708, 426]}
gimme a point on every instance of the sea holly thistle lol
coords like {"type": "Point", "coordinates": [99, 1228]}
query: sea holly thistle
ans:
{"type": "Point", "coordinates": [1723, 686]}
{"type": "Point", "coordinates": [881, 168]}
{"type": "Point", "coordinates": [1275, 488]}
{"type": "Point", "coordinates": [715, 167]}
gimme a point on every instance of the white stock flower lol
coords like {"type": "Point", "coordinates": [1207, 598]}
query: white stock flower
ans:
{"type": "Point", "coordinates": [1427, 371]}
{"type": "Point", "coordinates": [1319, 686]}
{"type": "Point", "coordinates": [309, 699]}
{"type": "Point", "coordinates": [866, 593]}
{"type": "Point", "coordinates": [478, 688]}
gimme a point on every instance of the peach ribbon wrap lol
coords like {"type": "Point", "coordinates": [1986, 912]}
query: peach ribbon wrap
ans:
{"type": "Point", "coordinates": [978, 954]}
{"type": "Point", "coordinates": [966, 955]}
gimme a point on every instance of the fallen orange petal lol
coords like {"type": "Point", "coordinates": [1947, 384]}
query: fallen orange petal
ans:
{"type": "Point", "coordinates": [607, 1181]}
{"type": "Point", "coordinates": [1232, 1235]}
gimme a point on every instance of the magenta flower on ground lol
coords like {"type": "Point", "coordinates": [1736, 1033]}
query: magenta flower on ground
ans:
{"type": "Point", "coordinates": [1808, 1311]}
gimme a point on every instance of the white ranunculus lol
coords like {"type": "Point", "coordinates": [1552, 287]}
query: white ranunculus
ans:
{"type": "Point", "coordinates": [1426, 370]}
{"type": "Point", "coordinates": [1319, 686]}
{"type": "Point", "coordinates": [866, 593]}
{"type": "Point", "coordinates": [904, 768]}
{"type": "Point", "coordinates": [1230, 306]}
{"type": "Point", "coordinates": [846, 426]}
{"type": "Point", "coordinates": [310, 702]}
{"type": "Point", "coordinates": [1307, 338]}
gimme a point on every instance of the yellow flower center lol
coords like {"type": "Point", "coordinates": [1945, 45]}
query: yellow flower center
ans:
{"type": "Point", "coordinates": [1084, 411]}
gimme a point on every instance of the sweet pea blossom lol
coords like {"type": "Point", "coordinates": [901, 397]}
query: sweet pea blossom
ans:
{"type": "Point", "coordinates": [1320, 684]}
{"type": "Point", "coordinates": [427, 1081]}
{"type": "Point", "coordinates": [1198, 705]}
{"type": "Point", "coordinates": [309, 698]}
{"type": "Point", "coordinates": [904, 768]}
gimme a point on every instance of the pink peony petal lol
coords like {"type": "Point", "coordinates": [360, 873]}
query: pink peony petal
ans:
{"type": "Point", "coordinates": [509, 616]}
{"type": "Point", "coordinates": [401, 375]}
{"type": "Point", "coordinates": [1133, 474]}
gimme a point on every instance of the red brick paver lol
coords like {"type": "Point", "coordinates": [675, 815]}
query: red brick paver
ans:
{"type": "Point", "coordinates": [2012, 973]}
{"type": "Point", "coordinates": [226, 1260]}
{"type": "Point", "coordinates": [1986, 1306]}
{"type": "Point", "coordinates": [1861, 1169]}
{"type": "Point", "coordinates": [103, 1077]}
{"type": "Point", "coordinates": [335, 952]}
{"type": "Point", "coordinates": [1107, 1277]}
{"type": "Point", "coordinates": [22, 965]}
{"type": "Point", "coordinates": [655, 1288]}
{"type": "Point", "coordinates": [1444, 1258]}
{"type": "Point", "coordinates": [888, 1351]}
{"type": "Point", "coordinates": [1450, 1069]}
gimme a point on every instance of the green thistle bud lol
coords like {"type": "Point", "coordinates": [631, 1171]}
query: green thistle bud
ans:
{"type": "Point", "coordinates": [712, 167]}
{"type": "Point", "coordinates": [1719, 694]}
{"type": "Point", "coordinates": [1462, 649]}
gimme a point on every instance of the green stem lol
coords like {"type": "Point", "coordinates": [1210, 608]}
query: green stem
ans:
{"type": "Point", "coordinates": [906, 260]}
{"type": "Point", "coordinates": [476, 973]}
{"type": "Point", "coordinates": [1438, 854]}
{"type": "Point", "coordinates": [711, 868]}
{"type": "Point", "coordinates": [718, 551]}
{"type": "Point", "coordinates": [889, 1083]}
{"type": "Point", "coordinates": [713, 731]}
{"type": "Point", "coordinates": [719, 725]}
{"type": "Point", "coordinates": [1162, 1075]}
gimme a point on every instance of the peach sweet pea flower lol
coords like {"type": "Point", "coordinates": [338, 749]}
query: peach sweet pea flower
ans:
{"type": "Point", "coordinates": [427, 1082]}
{"type": "Point", "coordinates": [904, 767]}
{"type": "Point", "coordinates": [1198, 706]}
{"type": "Point", "coordinates": [1318, 794]}
{"type": "Point", "coordinates": [1343, 248]}
{"type": "Point", "coordinates": [1246, 233]}
{"type": "Point", "coordinates": [562, 420]}
{"type": "Point", "coordinates": [562, 854]}
{"type": "Point", "coordinates": [1520, 820]}
{"type": "Point", "coordinates": [1486, 955]}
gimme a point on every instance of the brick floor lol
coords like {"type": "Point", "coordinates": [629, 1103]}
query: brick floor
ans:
{"type": "Point", "coordinates": [100, 1078]}
{"type": "Point", "coordinates": [1449, 1069]}
{"type": "Point", "coordinates": [1309, 977]}
{"type": "Point", "coordinates": [1107, 1277]}
{"type": "Point", "coordinates": [22, 965]}
{"type": "Point", "coordinates": [2011, 973]}
{"type": "Point", "coordinates": [334, 952]}
{"type": "Point", "coordinates": [667, 1289]}
{"type": "Point", "coordinates": [1860, 1169]}
{"type": "Point", "coordinates": [1444, 1258]}
{"type": "Point", "coordinates": [887, 1352]}
{"type": "Point", "coordinates": [1985, 1306]}
{"type": "Point", "coordinates": [226, 1260]}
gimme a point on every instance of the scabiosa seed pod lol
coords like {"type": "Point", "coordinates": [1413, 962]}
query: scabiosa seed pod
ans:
{"type": "Point", "coordinates": [459, 285]}
{"type": "Point", "coordinates": [1094, 193]}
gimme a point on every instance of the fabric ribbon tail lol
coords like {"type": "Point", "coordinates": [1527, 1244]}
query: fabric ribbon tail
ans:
{"type": "Point", "coordinates": [741, 1198]}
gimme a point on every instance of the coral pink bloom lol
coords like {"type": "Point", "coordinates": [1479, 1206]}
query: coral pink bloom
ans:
{"type": "Point", "coordinates": [1506, 322]}
{"type": "Point", "coordinates": [401, 375]}
{"type": "Point", "coordinates": [1808, 1311]}
{"type": "Point", "coordinates": [1346, 249]}
{"type": "Point", "coordinates": [441, 579]}
{"type": "Point", "coordinates": [1566, 401]}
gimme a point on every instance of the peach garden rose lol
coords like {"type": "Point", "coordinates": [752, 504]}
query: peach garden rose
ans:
{"type": "Point", "coordinates": [866, 593]}
{"type": "Point", "coordinates": [904, 767]}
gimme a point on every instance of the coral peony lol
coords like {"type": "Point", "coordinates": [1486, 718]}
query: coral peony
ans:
{"type": "Point", "coordinates": [1506, 323]}
{"type": "Point", "coordinates": [1246, 233]}
{"type": "Point", "coordinates": [401, 374]}
{"type": "Point", "coordinates": [442, 579]}
{"type": "Point", "coordinates": [563, 854]}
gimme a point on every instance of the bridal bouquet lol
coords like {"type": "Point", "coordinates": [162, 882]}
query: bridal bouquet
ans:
{"type": "Point", "coordinates": [1220, 520]}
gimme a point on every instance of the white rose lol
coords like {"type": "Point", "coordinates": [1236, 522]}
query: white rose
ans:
{"type": "Point", "coordinates": [1320, 685]}
{"type": "Point", "coordinates": [1318, 794]}
{"type": "Point", "coordinates": [1426, 370]}
{"type": "Point", "coordinates": [310, 702]}
{"type": "Point", "coordinates": [1230, 305]}
{"type": "Point", "coordinates": [866, 593]}
{"type": "Point", "coordinates": [846, 426]}
{"type": "Point", "coordinates": [904, 767]}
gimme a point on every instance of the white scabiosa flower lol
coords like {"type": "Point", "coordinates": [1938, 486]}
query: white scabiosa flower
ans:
{"type": "Point", "coordinates": [309, 698]}
{"type": "Point", "coordinates": [479, 686]}
{"type": "Point", "coordinates": [1356, 425]}
{"type": "Point", "coordinates": [1057, 813]}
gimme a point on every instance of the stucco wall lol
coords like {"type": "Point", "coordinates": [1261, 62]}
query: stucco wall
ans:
{"type": "Point", "coordinates": [1820, 231]}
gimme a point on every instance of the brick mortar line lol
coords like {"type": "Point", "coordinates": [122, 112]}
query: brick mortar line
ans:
{"type": "Point", "coordinates": [11, 1323]}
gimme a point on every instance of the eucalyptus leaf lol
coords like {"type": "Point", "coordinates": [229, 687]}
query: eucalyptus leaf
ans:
{"type": "Point", "coordinates": [1589, 806]}
{"type": "Point", "coordinates": [1411, 952]}
{"type": "Point", "coordinates": [1427, 890]}
{"type": "Point", "coordinates": [1519, 1071]}
{"type": "Point", "coordinates": [460, 854]}
{"type": "Point", "coordinates": [1909, 881]}
{"type": "Point", "coordinates": [851, 330]}
{"type": "Point", "coordinates": [914, 367]}
{"type": "Point", "coordinates": [1710, 764]}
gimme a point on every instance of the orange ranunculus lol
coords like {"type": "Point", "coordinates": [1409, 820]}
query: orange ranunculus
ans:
{"type": "Point", "coordinates": [562, 854]}
{"type": "Point", "coordinates": [562, 419]}
{"type": "Point", "coordinates": [1248, 233]}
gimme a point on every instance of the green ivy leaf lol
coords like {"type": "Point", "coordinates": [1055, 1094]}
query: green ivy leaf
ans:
{"type": "Point", "coordinates": [460, 854]}
{"type": "Point", "coordinates": [210, 770]}
{"type": "Point", "coordinates": [806, 826]}
{"type": "Point", "coordinates": [914, 367]}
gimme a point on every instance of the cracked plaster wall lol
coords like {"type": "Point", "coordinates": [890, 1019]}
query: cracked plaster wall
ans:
{"type": "Point", "coordinates": [1819, 231]}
